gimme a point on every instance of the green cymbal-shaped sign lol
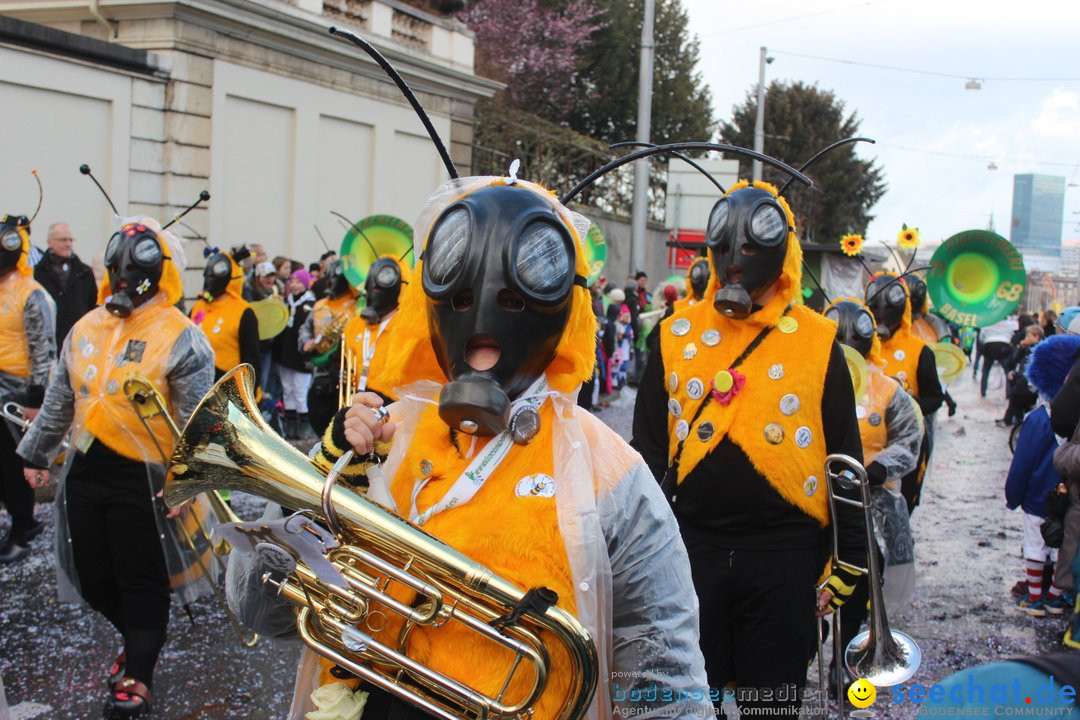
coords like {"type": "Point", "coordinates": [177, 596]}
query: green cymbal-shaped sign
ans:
{"type": "Point", "coordinates": [372, 238]}
{"type": "Point", "coordinates": [976, 278]}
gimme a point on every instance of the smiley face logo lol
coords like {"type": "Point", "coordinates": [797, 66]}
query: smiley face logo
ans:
{"type": "Point", "coordinates": [861, 693]}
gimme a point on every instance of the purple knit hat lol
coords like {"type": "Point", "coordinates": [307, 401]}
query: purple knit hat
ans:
{"type": "Point", "coordinates": [303, 276]}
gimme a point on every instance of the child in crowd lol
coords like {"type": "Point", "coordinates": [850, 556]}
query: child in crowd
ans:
{"type": "Point", "coordinates": [1020, 393]}
{"type": "Point", "coordinates": [1031, 476]}
{"type": "Point", "coordinates": [292, 363]}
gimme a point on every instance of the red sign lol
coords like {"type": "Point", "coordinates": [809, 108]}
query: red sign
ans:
{"type": "Point", "coordinates": [685, 246]}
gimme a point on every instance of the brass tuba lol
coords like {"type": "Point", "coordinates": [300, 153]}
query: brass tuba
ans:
{"type": "Point", "coordinates": [227, 444]}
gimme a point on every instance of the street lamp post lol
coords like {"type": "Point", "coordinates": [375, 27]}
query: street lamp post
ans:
{"type": "Point", "coordinates": [640, 210]}
{"type": "Point", "coordinates": [759, 122]}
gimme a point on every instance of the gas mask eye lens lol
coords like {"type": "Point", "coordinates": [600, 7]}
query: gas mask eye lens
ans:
{"type": "Point", "coordinates": [832, 314]}
{"type": "Point", "coordinates": [111, 248]}
{"type": "Point", "coordinates": [447, 246]}
{"type": "Point", "coordinates": [766, 225]}
{"type": "Point", "coordinates": [11, 241]}
{"type": "Point", "coordinates": [386, 277]}
{"type": "Point", "coordinates": [699, 272]}
{"type": "Point", "coordinates": [895, 295]}
{"type": "Point", "coordinates": [147, 252]}
{"type": "Point", "coordinates": [542, 259]}
{"type": "Point", "coordinates": [717, 219]}
{"type": "Point", "coordinates": [220, 268]}
{"type": "Point", "coordinates": [864, 326]}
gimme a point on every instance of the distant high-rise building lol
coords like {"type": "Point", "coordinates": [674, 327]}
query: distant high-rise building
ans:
{"type": "Point", "coordinates": [1037, 213]}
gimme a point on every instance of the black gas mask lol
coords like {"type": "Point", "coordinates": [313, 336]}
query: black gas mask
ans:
{"type": "Point", "coordinates": [339, 284]}
{"type": "Point", "coordinates": [917, 288]}
{"type": "Point", "coordinates": [499, 274]}
{"type": "Point", "coordinates": [381, 289]}
{"type": "Point", "coordinates": [748, 237]}
{"type": "Point", "coordinates": [855, 325]}
{"type": "Point", "coordinates": [134, 259]}
{"type": "Point", "coordinates": [217, 274]}
{"type": "Point", "coordinates": [11, 240]}
{"type": "Point", "coordinates": [699, 277]}
{"type": "Point", "coordinates": [886, 296]}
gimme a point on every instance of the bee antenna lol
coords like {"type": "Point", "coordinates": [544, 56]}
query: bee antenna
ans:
{"type": "Point", "coordinates": [660, 149]}
{"type": "Point", "coordinates": [85, 170]}
{"type": "Point", "coordinates": [405, 90]}
{"type": "Point", "coordinates": [688, 161]}
{"type": "Point", "coordinates": [203, 197]}
{"type": "Point", "coordinates": [357, 229]}
{"type": "Point", "coordinates": [825, 151]}
{"type": "Point", "coordinates": [40, 195]}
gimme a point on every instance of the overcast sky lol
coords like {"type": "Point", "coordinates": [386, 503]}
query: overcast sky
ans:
{"type": "Point", "coordinates": [935, 139]}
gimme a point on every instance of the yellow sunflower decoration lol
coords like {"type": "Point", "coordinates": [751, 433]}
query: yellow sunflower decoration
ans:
{"type": "Point", "coordinates": [851, 244]}
{"type": "Point", "coordinates": [908, 239]}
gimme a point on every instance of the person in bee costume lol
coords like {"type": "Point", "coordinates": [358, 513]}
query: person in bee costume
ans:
{"type": "Point", "coordinates": [931, 328]}
{"type": "Point", "coordinates": [368, 336]}
{"type": "Point", "coordinates": [743, 398]}
{"type": "Point", "coordinates": [27, 351]}
{"type": "Point", "coordinates": [697, 279]}
{"type": "Point", "coordinates": [113, 542]}
{"type": "Point", "coordinates": [909, 360]}
{"type": "Point", "coordinates": [890, 425]}
{"type": "Point", "coordinates": [223, 314]}
{"type": "Point", "coordinates": [488, 452]}
{"type": "Point", "coordinates": [321, 336]}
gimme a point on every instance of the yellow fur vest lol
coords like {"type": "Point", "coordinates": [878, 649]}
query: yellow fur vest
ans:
{"type": "Point", "coordinates": [14, 351]}
{"type": "Point", "coordinates": [776, 416]}
{"type": "Point", "coordinates": [901, 355]}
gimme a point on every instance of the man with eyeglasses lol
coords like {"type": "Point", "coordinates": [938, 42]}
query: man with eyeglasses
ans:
{"type": "Point", "coordinates": [67, 279]}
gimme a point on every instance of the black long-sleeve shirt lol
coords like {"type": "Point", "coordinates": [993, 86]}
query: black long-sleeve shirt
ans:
{"type": "Point", "coordinates": [724, 501]}
{"type": "Point", "coordinates": [931, 395]}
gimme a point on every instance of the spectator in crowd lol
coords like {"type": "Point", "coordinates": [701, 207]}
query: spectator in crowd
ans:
{"type": "Point", "coordinates": [284, 269]}
{"type": "Point", "coordinates": [1020, 393]}
{"type": "Point", "coordinates": [994, 347]}
{"type": "Point", "coordinates": [1049, 325]}
{"type": "Point", "coordinates": [67, 279]}
{"type": "Point", "coordinates": [291, 361]}
{"type": "Point", "coordinates": [266, 282]}
{"type": "Point", "coordinates": [643, 294]}
{"type": "Point", "coordinates": [320, 286]}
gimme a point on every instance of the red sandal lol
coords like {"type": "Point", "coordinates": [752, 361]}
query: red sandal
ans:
{"type": "Point", "coordinates": [117, 671]}
{"type": "Point", "coordinates": [129, 699]}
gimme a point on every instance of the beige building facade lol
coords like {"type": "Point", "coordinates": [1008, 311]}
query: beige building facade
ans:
{"type": "Point", "coordinates": [252, 100]}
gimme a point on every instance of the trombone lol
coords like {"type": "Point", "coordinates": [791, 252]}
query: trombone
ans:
{"type": "Point", "coordinates": [14, 412]}
{"type": "Point", "coordinates": [348, 375]}
{"type": "Point", "coordinates": [879, 655]}
{"type": "Point", "coordinates": [147, 403]}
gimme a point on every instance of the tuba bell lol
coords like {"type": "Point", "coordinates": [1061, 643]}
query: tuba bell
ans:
{"type": "Point", "coordinates": [226, 444]}
{"type": "Point", "coordinates": [976, 278]}
{"type": "Point", "coordinates": [881, 656]}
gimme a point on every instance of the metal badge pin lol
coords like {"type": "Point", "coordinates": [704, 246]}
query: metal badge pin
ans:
{"type": "Point", "coordinates": [810, 486]}
{"type": "Point", "coordinates": [787, 325]}
{"type": "Point", "coordinates": [803, 436]}
{"type": "Point", "coordinates": [711, 337]}
{"type": "Point", "coordinates": [705, 431]}
{"type": "Point", "coordinates": [672, 382]}
{"type": "Point", "coordinates": [680, 327]}
{"type": "Point", "coordinates": [789, 404]}
{"type": "Point", "coordinates": [875, 419]}
{"type": "Point", "coordinates": [674, 407]}
{"type": "Point", "coordinates": [524, 425]}
{"type": "Point", "coordinates": [426, 468]}
{"type": "Point", "coordinates": [695, 388]}
{"type": "Point", "coordinates": [776, 371]}
{"type": "Point", "coordinates": [690, 351]}
{"type": "Point", "coordinates": [682, 429]}
{"type": "Point", "coordinates": [774, 433]}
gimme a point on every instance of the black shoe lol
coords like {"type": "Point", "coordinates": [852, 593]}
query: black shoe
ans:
{"type": "Point", "coordinates": [13, 553]}
{"type": "Point", "coordinates": [36, 529]}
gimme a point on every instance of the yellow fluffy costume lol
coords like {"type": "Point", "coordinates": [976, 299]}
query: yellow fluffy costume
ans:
{"type": "Point", "coordinates": [900, 352]}
{"type": "Point", "coordinates": [535, 520]}
{"type": "Point", "coordinates": [378, 338]}
{"type": "Point", "coordinates": [17, 286]}
{"type": "Point", "coordinates": [786, 446]}
{"type": "Point", "coordinates": [220, 317]}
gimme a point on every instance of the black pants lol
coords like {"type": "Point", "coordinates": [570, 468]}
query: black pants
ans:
{"type": "Point", "coordinates": [15, 493]}
{"type": "Point", "coordinates": [993, 352]}
{"type": "Point", "coordinates": [911, 484]}
{"type": "Point", "coordinates": [757, 620]}
{"type": "Point", "coordinates": [117, 552]}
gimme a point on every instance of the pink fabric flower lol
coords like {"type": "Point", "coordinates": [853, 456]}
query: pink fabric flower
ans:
{"type": "Point", "coordinates": [738, 380]}
{"type": "Point", "coordinates": [198, 317]}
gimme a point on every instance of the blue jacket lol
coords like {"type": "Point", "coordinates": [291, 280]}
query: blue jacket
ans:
{"type": "Point", "coordinates": [1032, 472]}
